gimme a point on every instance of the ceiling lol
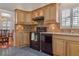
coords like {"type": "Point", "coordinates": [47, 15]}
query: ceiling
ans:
{"type": "Point", "coordinates": [69, 5]}
{"type": "Point", "coordinates": [22, 6]}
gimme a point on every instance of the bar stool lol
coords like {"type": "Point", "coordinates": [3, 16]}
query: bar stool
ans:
{"type": "Point", "coordinates": [1, 42]}
{"type": "Point", "coordinates": [10, 36]}
{"type": "Point", "coordinates": [5, 39]}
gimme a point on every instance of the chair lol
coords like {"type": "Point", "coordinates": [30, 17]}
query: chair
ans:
{"type": "Point", "coordinates": [1, 42]}
{"type": "Point", "coordinates": [10, 36]}
{"type": "Point", "coordinates": [4, 37]}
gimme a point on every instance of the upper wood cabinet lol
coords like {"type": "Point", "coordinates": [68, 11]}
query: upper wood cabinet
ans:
{"type": "Point", "coordinates": [23, 17]}
{"type": "Point", "coordinates": [20, 15]}
{"type": "Point", "coordinates": [41, 12]}
{"type": "Point", "coordinates": [47, 13]}
{"type": "Point", "coordinates": [28, 17]}
{"type": "Point", "coordinates": [38, 12]}
{"type": "Point", "coordinates": [34, 14]}
{"type": "Point", "coordinates": [50, 13]}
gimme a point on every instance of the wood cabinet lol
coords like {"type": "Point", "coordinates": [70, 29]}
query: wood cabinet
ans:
{"type": "Point", "coordinates": [37, 12]}
{"type": "Point", "coordinates": [23, 34]}
{"type": "Point", "coordinates": [20, 15]}
{"type": "Point", "coordinates": [50, 13]}
{"type": "Point", "coordinates": [23, 17]}
{"type": "Point", "coordinates": [34, 13]}
{"type": "Point", "coordinates": [47, 13]}
{"type": "Point", "coordinates": [65, 45]}
{"type": "Point", "coordinates": [73, 48]}
{"type": "Point", "coordinates": [22, 39]}
{"type": "Point", "coordinates": [41, 12]}
{"type": "Point", "coordinates": [59, 47]}
{"type": "Point", "coordinates": [28, 18]}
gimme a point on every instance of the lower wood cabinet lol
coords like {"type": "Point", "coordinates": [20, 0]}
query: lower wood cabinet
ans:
{"type": "Point", "coordinates": [59, 46]}
{"type": "Point", "coordinates": [65, 45]}
{"type": "Point", "coordinates": [73, 48]}
{"type": "Point", "coordinates": [22, 39]}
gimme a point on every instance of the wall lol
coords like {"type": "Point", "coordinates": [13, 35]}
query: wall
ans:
{"type": "Point", "coordinates": [68, 5]}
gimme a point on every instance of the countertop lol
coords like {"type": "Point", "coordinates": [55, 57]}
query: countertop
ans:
{"type": "Point", "coordinates": [61, 33]}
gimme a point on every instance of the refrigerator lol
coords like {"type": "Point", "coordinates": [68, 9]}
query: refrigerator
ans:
{"type": "Point", "coordinates": [35, 40]}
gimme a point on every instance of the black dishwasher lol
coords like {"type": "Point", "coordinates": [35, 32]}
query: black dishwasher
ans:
{"type": "Point", "coordinates": [46, 43]}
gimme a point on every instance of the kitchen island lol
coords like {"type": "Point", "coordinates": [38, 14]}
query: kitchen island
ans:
{"type": "Point", "coordinates": [65, 44]}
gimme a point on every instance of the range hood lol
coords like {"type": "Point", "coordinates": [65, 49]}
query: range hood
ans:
{"type": "Point", "coordinates": [39, 18]}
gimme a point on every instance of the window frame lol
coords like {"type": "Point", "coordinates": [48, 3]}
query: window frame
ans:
{"type": "Point", "coordinates": [65, 27]}
{"type": "Point", "coordinates": [71, 20]}
{"type": "Point", "coordinates": [5, 23]}
{"type": "Point", "coordinates": [75, 27]}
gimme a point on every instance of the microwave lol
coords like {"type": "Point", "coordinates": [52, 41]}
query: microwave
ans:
{"type": "Point", "coordinates": [41, 29]}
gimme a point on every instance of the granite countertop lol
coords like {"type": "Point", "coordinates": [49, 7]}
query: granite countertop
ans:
{"type": "Point", "coordinates": [46, 32]}
{"type": "Point", "coordinates": [61, 33]}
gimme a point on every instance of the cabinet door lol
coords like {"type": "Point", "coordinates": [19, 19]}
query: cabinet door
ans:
{"type": "Point", "coordinates": [53, 12]}
{"type": "Point", "coordinates": [19, 16]}
{"type": "Point", "coordinates": [26, 39]}
{"type": "Point", "coordinates": [47, 13]}
{"type": "Point", "coordinates": [34, 14]}
{"type": "Point", "coordinates": [28, 18]}
{"type": "Point", "coordinates": [22, 39]}
{"type": "Point", "coordinates": [73, 49]}
{"type": "Point", "coordinates": [18, 38]}
{"type": "Point", "coordinates": [59, 47]}
{"type": "Point", "coordinates": [41, 12]}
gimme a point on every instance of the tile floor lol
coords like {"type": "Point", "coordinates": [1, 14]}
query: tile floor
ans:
{"type": "Point", "coordinates": [21, 52]}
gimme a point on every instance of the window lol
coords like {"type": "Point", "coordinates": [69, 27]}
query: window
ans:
{"type": "Point", "coordinates": [6, 22]}
{"type": "Point", "coordinates": [70, 18]}
{"type": "Point", "coordinates": [5, 14]}
{"type": "Point", "coordinates": [65, 19]}
{"type": "Point", "coordinates": [75, 18]}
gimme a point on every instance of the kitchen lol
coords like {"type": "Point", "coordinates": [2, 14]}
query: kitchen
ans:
{"type": "Point", "coordinates": [51, 29]}
{"type": "Point", "coordinates": [41, 21]}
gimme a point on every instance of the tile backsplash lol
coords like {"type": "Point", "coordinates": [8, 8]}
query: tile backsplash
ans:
{"type": "Point", "coordinates": [65, 30]}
